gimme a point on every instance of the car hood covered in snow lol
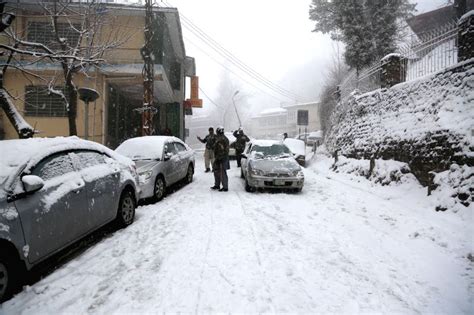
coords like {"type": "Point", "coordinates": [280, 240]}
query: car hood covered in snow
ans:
{"type": "Point", "coordinates": [275, 165]}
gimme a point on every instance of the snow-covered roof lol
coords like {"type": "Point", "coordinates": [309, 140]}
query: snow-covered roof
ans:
{"type": "Point", "coordinates": [19, 152]}
{"type": "Point", "coordinates": [316, 134]}
{"type": "Point", "coordinates": [302, 104]}
{"type": "Point", "coordinates": [142, 148]}
{"type": "Point", "coordinates": [273, 111]}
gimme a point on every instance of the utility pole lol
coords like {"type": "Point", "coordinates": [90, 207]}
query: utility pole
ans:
{"type": "Point", "coordinates": [148, 73]}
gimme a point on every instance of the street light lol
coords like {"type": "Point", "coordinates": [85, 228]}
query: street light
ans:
{"type": "Point", "coordinates": [238, 117]}
{"type": "Point", "coordinates": [87, 95]}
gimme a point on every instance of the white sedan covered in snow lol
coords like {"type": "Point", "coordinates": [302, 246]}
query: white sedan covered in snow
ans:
{"type": "Point", "coordinates": [53, 192]}
{"type": "Point", "coordinates": [270, 164]}
{"type": "Point", "coordinates": [161, 161]}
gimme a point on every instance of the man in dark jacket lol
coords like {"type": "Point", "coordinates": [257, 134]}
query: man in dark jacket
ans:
{"type": "Point", "coordinates": [239, 145]}
{"type": "Point", "coordinates": [221, 161]}
{"type": "Point", "coordinates": [208, 152]}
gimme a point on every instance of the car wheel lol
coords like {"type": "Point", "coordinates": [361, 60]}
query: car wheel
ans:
{"type": "Point", "coordinates": [189, 174]}
{"type": "Point", "coordinates": [249, 188]}
{"type": "Point", "coordinates": [10, 275]}
{"type": "Point", "coordinates": [160, 188]}
{"type": "Point", "coordinates": [126, 209]}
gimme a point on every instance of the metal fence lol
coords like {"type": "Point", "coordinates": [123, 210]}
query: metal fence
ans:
{"type": "Point", "coordinates": [430, 52]}
{"type": "Point", "coordinates": [423, 54]}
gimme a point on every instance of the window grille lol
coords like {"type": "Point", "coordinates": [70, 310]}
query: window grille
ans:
{"type": "Point", "coordinates": [41, 103]}
{"type": "Point", "coordinates": [42, 32]}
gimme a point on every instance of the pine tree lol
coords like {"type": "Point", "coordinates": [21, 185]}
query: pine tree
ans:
{"type": "Point", "coordinates": [368, 28]}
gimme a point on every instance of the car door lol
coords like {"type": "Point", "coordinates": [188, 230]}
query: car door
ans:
{"type": "Point", "coordinates": [183, 159]}
{"type": "Point", "coordinates": [101, 175]}
{"type": "Point", "coordinates": [171, 163]}
{"type": "Point", "coordinates": [53, 216]}
{"type": "Point", "coordinates": [244, 162]}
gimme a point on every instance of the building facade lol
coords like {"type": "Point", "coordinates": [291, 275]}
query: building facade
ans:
{"type": "Point", "coordinates": [273, 122]}
{"type": "Point", "coordinates": [115, 115]}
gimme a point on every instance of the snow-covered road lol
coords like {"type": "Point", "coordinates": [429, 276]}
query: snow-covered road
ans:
{"type": "Point", "coordinates": [343, 245]}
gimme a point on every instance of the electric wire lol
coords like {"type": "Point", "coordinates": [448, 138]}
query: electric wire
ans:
{"type": "Point", "coordinates": [232, 59]}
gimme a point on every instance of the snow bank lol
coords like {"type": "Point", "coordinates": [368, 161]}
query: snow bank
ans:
{"type": "Point", "coordinates": [426, 123]}
{"type": "Point", "coordinates": [384, 172]}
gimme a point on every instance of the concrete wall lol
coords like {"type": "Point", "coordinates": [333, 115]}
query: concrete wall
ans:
{"type": "Point", "coordinates": [427, 123]}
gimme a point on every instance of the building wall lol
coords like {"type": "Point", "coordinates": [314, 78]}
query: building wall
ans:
{"type": "Point", "coordinates": [15, 83]}
{"type": "Point", "coordinates": [128, 31]}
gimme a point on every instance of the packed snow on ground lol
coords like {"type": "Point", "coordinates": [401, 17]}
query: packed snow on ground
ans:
{"type": "Point", "coordinates": [343, 245]}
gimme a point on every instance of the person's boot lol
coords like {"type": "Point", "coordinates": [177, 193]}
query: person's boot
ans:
{"type": "Point", "coordinates": [215, 187]}
{"type": "Point", "coordinates": [223, 189]}
{"type": "Point", "coordinates": [207, 170]}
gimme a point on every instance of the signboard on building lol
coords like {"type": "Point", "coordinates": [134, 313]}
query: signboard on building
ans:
{"type": "Point", "coordinates": [302, 117]}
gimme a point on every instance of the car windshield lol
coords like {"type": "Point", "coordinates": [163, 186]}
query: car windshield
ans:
{"type": "Point", "coordinates": [274, 150]}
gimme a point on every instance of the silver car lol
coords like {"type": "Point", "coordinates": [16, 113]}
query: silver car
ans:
{"type": "Point", "coordinates": [161, 161]}
{"type": "Point", "coordinates": [270, 164]}
{"type": "Point", "coordinates": [53, 192]}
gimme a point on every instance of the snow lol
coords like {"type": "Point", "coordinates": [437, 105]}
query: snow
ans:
{"type": "Point", "coordinates": [343, 245]}
{"type": "Point", "coordinates": [296, 146]}
{"type": "Point", "coordinates": [18, 153]}
{"type": "Point", "coordinates": [9, 212]}
{"type": "Point", "coordinates": [135, 148]}
{"type": "Point", "coordinates": [387, 57]}
{"type": "Point", "coordinates": [465, 16]}
{"type": "Point", "coordinates": [273, 111]}
{"type": "Point", "coordinates": [31, 180]}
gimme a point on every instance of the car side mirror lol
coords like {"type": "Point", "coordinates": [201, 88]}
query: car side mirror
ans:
{"type": "Point", "coordinates": [32, 183]}
{"type": "Point", "coordinates": [168, 156]}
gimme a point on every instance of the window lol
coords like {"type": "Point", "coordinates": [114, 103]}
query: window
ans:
{"type": "Point", "coordinates": [42, 32]}
{"type": "Point", "coordinates": [180, 146]}
{"type": "Point", "coordinates": [89, 158]}
{"type": "Point", "coordinates": [53, 166]}
{"type": "Point", "coordinates": [40, 102]}
{"type": "Point", "coordinates": [170, 148]}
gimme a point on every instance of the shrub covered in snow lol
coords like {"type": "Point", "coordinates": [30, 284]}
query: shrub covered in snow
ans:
{"type": "Point", "coordinates": [454, 187]}
{"type": "Point", "coordinates": [384, 172]}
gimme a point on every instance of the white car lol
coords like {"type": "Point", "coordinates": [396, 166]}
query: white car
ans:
{"type": "Point", "coordinates": [161, 161]}
{"type": "Point", "coordinates": [298, 148]}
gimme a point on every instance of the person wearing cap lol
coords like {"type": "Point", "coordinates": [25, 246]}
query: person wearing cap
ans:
{"type": "Point", "coordinates": [208, 152]}
{"type": "Point", "coordinates": [239, 145]}
{"type": "Point", "coordinates": [221, 161]}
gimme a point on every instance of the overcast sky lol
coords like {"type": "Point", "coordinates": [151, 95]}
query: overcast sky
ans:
{"type": "Point", "coordinates": [273, 37]}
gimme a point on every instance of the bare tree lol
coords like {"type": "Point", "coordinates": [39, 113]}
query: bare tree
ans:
{"type": "Point", "coordinates": [73, 35]}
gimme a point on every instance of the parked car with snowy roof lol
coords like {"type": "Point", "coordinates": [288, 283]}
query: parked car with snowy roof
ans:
{"type": "Point", "coordinates": [232, 139]}
{"type": "Point", "coordinates": [298, 148]}
{"type": "Point", "coordinates": [53, 192]}
{"type": "Point", "coordinates": [270, 164]}
{"type": "Point", "coordinates": [161, 161]}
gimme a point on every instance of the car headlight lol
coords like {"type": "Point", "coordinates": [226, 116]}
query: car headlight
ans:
{"type": "Point", "coordinates": [256, 172]}
{"type": "Point", "coordinates": [299, 174]}
{"type": "Point", "coordinates": [144, 176]}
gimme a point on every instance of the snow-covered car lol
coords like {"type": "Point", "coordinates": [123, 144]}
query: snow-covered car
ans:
{"type": "Point", "coordinates": [270, 164]}
{"type": "Point", "coordinates": [232, 139]}
{"type": "Point", "coordinates": [161, 161]}
{"type": "Point", "coordinates": [54, 192]}
{"type": "Point", "coordinates": [298, 148]}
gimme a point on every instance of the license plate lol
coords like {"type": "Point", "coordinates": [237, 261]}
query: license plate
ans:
{"type": "Point", "coordinates": [279, 182]}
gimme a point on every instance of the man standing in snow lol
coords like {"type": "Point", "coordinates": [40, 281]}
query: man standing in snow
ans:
{"type": "Point", "coordinates": [221, 162]}
{"type": "Point", "coordinates": [239, 145]}
{"type": "Point", "coordinates": [208, 152]}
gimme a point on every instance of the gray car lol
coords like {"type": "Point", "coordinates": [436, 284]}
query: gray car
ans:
{"type": "Point", "coordinates": [161, 161]}
{"type": "Point", "coordinates": [270, 164]}
{"type": "Point", "coordinates": [53, 192]}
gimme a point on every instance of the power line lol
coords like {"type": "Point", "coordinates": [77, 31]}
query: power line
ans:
{"type": "Point", "coordinates": [233, 59]}
{"type": "Point", "coordinates": [230, 70]}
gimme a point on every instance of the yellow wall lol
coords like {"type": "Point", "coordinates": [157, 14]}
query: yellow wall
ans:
{"type": "Point", "coordinates": [125, 31]}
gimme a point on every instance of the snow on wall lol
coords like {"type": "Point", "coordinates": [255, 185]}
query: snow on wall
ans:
{"type": "Point", "coordinates": [426, 123]}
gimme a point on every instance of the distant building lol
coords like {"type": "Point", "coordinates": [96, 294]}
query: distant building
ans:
{"type": "Point", "coordinates": [273, 122]}
{"type": "Point", "coordinates": [314, 122]}
{"type": "Point", "coordinates": [269, 124]}
{"type": "Point", "coordinates": [114, 116]}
